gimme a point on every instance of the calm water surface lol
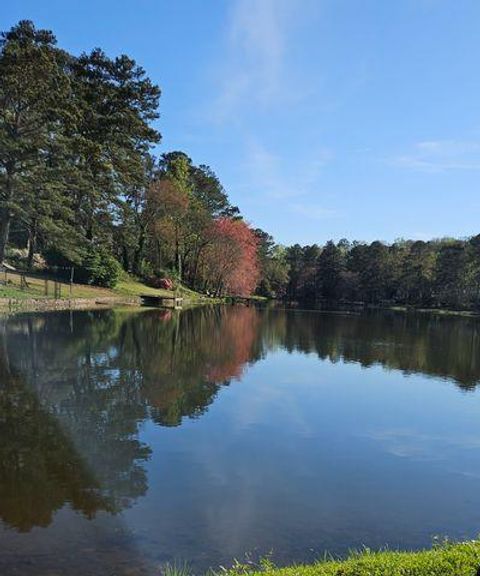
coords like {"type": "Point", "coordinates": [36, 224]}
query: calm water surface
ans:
{"type": "Point", "coordinates": [131, 439]}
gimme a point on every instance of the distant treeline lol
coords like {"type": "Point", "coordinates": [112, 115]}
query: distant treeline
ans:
{"type": "Point", "coordinates": [439, 273]}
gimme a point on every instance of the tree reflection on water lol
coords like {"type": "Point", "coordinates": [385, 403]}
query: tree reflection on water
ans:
{"type": "Point", "coordinates": [75, 387]}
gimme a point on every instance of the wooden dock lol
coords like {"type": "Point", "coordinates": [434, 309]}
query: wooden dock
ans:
{"type": "Point", "coordinates": [153, 301]}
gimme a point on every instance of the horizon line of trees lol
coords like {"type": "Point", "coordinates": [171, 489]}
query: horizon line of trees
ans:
{"type": "Point", "coordinates": [441, 273]}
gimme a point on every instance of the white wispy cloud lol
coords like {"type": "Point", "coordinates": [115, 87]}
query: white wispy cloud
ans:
{"type": "Point", "coordinates": [255, 84]}
{"type": "Point", "coordinates": [258, 33]}
{"type": "Point", "coordinates": [414, 444]}
{"type": "Point", "coordinates": [440, 156]}
{"type": "Point", "coordinates": [253, 65]}
{"type": "Point", "coordinates": [293, 184]}
{"type": "Point", "coordinates": [281, 178]}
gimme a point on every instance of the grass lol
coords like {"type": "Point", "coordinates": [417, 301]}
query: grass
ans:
{"type": "Point", "coordinates": [36, 289]}
{"type": "Point", "coordinates": [129, 286]}
{"type": "Point", "coordinates": [176, 569]}
{"type": "Point", "coordinates": [447, 559]}
{"type": "Point", "coordinates": [126, 287]}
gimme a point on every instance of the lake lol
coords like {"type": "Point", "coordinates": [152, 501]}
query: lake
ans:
{"type": "Point", "coordinates": [129, 439]}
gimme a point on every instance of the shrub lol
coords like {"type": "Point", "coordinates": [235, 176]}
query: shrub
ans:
{"type": "Point", "coordinates": [100, 268]}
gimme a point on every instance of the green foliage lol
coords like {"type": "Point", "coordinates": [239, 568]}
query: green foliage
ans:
{"type": "Point", "coordinates": [331, 266]}
{"type": "Point", "coordinates": [75, 134]}
{"type": "Point", "coordinates": [209, 192]}
{"type": "Point", "coordinates": [100, 268]}
{"type": "Point", "coordinates": [34, 104]}
{"type": "Point", "coordinates": [274, 267]}
{"type": "Point", "coordinates": [76, 171]}
{"type": "Point", "coordinates": [440, 273]}
{"type": "Point", "coordinates": [184, 205]}
{"type": "Point", "coordinates": [175, 569]}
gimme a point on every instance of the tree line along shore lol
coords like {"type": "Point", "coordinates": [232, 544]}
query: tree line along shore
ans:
{"type": "Point", "coordinates": [81, 186]}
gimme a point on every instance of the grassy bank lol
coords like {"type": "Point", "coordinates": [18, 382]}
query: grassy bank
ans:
{"type": "Point", "coordinates": [461, 559]}
{"type": "Point", "coordinates": [127, 287]}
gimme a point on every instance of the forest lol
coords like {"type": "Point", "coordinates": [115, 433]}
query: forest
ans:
{"type": "Point", "coordinates": [81, 186]}
{"type": "Point", "coordinates": [443, 273]}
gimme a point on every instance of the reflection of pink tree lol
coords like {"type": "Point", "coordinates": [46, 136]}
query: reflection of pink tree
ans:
{"type": "Point", "coordinates": [234, 342]}
{"type": "Point", "coordinates": [185, 360]}
{"type": "Point", "coordinates": [165, 315]}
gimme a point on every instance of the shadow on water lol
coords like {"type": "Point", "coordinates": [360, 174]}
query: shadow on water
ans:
{"type": "Point", "coordinates": [75, 389]}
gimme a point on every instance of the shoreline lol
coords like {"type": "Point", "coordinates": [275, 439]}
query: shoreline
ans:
{"type": "Point", "coordinates": [438, 311]}
{"type": "Point", "coordinates": [42, 304]}
{"type": "Point", "coordinates": [392, 308]}
{"type": "Point", "coordinates": [17, 305]}
{"type": "Point", "coordinates": [13, 305]}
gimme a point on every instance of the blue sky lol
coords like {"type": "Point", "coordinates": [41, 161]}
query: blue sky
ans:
{"type": "Point", "coordinates": [323, 118]}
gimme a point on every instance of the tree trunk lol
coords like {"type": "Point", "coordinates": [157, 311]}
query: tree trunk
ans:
{"type": "Point", "coordinates": [138, 254]}
{"type": "Point", "coordinates": [195, 265]}
{"type": "Point", "coordinates": [125, 258]}
{"type": "Point", "coordinates": [178, 257]}
{"type": "Point", "coordinates": [4, 233]}
{"type": "Point", "coordinates": [6, 216]}
{"type": "Point", "coordinates": [32, 245]}
{"type": "Point", "coordinates": [158, 255]}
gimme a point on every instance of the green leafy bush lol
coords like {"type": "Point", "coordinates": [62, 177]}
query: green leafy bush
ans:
{"type": "Point", "coordinates": [100, 268]}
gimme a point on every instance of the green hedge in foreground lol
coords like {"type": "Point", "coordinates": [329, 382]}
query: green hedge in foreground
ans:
{"type": "Point", "coordinates": [461, 559]}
